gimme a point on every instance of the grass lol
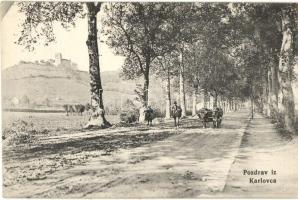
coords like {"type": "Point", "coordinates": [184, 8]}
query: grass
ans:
{"type": "Point", "coordinates": [50, 121]}
{"type": "Point", "coordinates": [29, 153]}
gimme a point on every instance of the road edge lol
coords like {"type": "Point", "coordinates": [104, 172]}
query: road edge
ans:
{"type": "Point", "coordinates": [242, 132]}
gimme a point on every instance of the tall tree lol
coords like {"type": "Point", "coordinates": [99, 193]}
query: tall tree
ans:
{"type": "Point", "coordinates": [195, 59]}
{"type": "Point", "coordinates": [38, 26]}
{"type": "Point", "coordinates": [165, 67]}
{"type": "Point", "coordinates": [141, 32]}
{"type": "Point", "coordinates": [286, 65]}
{"type": "Point", "coordinates": [186, 20]}
{"type": "Point", "coordinates": [275, 28]}
{"type": "Point", "coordinates": [264, 20]}
{"type": "Point", "coordinates": [182, 84]}
{"type": "Point", "coordinates": [94, 67]}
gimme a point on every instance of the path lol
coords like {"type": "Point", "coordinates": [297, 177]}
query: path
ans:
{"type": "Point", "coordinates": [263, 148]}
{"type": "Point", "coordinates": [192, 163]}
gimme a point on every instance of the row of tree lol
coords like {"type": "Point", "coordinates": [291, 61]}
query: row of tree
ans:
{"type": "Point", "coordinates": [230, 51]}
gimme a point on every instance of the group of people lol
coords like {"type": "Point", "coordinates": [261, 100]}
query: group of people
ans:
{"type": "Point", "coordinates": [176, 113]}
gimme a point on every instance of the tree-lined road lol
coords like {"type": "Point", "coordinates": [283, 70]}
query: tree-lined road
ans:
{"type": "Point", "coordinates": [222, 55]}
{"type": "Point", "coordinates": [231, 52]}
{"type": "Point", "coordinates": [193, 162]}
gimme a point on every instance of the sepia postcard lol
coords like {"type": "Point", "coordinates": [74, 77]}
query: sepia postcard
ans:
{"type": "Point", "coordinates": [149, 99]}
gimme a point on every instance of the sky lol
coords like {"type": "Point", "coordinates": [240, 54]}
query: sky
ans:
{"type": "Point", "coordinates": [72, 45]}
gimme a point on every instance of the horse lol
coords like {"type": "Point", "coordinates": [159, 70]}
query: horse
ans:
{"type": "Point", "coordinates": [205, 116]}
{"type": "Point", "coordinates": [217, 117]}
{"type": "Point", "coordinates": [149, 115]}
{"type": "Point", "coordinates": [176, 114]}
{"type": "Point", "coordinates": [68, 109]}
{"type": "Point", "coordinates": [80, 109]}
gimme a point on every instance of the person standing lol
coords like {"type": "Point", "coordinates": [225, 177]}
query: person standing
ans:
{"type": "Point", "coordinates": [176, 114]}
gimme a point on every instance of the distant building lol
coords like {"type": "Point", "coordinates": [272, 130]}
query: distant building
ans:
{"type": "Point", "coordinates": [58, 59]}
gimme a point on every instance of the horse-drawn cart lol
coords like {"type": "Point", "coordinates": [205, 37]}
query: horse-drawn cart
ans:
{"type": "Point", "coordinates": [215, 116]}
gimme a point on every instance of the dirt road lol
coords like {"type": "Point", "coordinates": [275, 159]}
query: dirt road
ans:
{"type": "Point", "coordinates": [189, 162]}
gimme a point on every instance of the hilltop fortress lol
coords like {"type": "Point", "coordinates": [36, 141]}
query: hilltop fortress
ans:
{"type": "Point", "coordinates": [58, 61]}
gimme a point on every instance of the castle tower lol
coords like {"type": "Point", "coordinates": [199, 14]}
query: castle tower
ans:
{"type": "Point", "coordinates": [58, 59]}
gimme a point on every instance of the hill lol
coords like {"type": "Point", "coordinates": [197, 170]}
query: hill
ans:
{"type": "Point", "coordinates": [44, 85]}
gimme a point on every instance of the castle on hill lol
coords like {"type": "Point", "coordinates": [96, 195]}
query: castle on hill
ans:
{"type": "Point", "coordinates": [58, 61]}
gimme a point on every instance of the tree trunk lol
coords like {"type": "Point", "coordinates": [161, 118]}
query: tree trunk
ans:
{"type": "Point", "coordinates": [286, 71]}
{"type": "Point", "coordinates": [269, 100]}
{"type": "Point", "coordinates": [194, 100]}
{"type": "Point", "coordinates": [97, 118]}
{"type": "Point", "coordinates": [205, 98]}
{"type": "Point", "coordinates": [252, 106]}
{"type": "Point", "coordinates": [181, 85]}
{"type": "Point", "coordinates": [265, 97]}
{"type": "Point", "coordinates": [168, 95]}
{"type": "Point", "coordinates": [230, 105]}
{"type": "Point", "coordinates": [215, 100]}
{"type": "Point", "coordinates": [274, 90]}
{"type": "Point", "coordinates": [146, 91]}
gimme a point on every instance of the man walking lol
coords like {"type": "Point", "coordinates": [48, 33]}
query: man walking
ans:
{"type": "Point", "coordinates": [176, 114]}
